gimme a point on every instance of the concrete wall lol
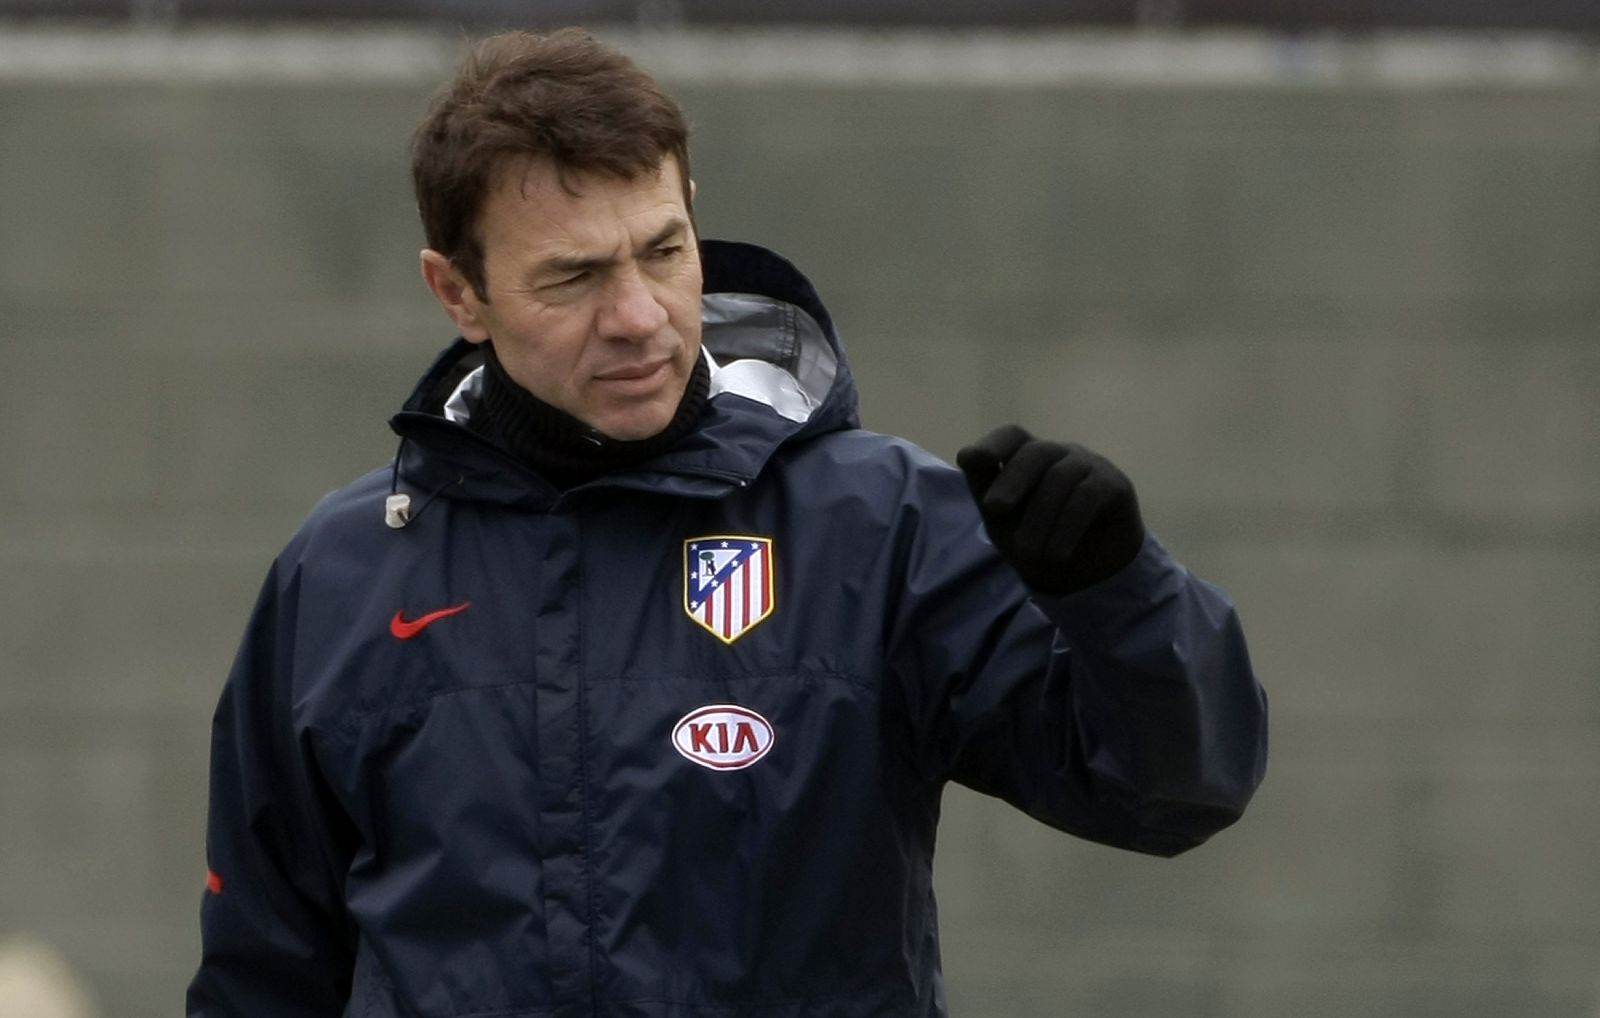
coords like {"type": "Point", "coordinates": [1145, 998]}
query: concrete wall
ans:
{"type": "Point", "coordinates": [1342, 338]}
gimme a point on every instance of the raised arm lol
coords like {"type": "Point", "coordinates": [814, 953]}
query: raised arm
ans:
{"type": "Point", "coordinates": [1054, 655]}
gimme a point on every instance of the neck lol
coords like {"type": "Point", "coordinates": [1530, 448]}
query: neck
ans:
{"type": "Point", "coordinates": [563, 449]}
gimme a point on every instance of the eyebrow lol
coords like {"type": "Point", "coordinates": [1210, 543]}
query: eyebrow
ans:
{"type": "Point", "coordinates": [582, 264]}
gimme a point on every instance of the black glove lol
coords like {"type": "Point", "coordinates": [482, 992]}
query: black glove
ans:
{"type": "Point", "coordinates": [1064, 517]}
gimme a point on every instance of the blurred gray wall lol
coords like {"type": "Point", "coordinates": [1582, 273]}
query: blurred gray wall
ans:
{"type": "Point", "coordinates": [1574, 15]}
{"type": "Point", "coordinates": [1342, 336]}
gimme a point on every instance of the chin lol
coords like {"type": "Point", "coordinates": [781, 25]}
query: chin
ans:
{"type": "Point", "coordinates": [634, 428]}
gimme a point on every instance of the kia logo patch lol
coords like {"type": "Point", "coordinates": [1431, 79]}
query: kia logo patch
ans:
{"type": "Point", "coordinates": [723, 736]}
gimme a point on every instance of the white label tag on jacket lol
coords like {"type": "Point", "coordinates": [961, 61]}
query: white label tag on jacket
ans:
{"type": "Point", "coordinates": [723, 736]}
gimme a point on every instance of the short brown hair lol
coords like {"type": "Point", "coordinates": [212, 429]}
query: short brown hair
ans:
{"type": "Point", "coordinates": [564, 97]}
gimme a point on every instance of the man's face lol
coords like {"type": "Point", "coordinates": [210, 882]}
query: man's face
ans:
{"type": "Point", "coordinates": [593, 297]}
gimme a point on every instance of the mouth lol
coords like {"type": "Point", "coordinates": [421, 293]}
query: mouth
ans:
{"type": "Point", "coordinates": [632, 371]}
{"type": "Point", "coordinates": [636, 377]}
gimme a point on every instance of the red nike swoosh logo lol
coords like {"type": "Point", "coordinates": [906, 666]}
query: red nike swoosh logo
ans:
{"type": "Point", "coordinates": [403, 630]}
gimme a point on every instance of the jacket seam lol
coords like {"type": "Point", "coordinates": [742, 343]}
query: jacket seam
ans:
{"type": "Point", "coordinates": [860, 681]}
{"type": "Point", "coordinates": [734, 1005]}
{"type": "Point", "coordinates": [351, 718]}
{"type": "Point", "coordinates": [516, 1012]}
{"type": "Point", "coordinates": [354, 716]}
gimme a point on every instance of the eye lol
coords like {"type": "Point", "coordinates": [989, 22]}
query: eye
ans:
{"type": "Point", "coordinates": [666, 251]}
{"type": "Point", "coordinates": [572, 280]}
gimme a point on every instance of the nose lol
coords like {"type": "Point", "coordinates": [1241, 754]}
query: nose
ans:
{"type": "Point", "coordinates": [631, 311]}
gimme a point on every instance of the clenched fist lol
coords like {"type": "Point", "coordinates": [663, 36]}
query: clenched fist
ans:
{"type": "Point", "coordinates": [1064, 517]}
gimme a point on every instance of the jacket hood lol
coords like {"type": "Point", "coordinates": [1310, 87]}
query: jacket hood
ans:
{"type": "Point", "coordinates": [778, 375]}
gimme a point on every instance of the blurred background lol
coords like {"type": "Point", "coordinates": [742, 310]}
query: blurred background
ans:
{"type": "Point", "coordinates": [1324, 278]}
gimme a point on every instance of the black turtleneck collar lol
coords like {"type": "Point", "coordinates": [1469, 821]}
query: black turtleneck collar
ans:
{"type": "Point", "coordinates": [564, 450]}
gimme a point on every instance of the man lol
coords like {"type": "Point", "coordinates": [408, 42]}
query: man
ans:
{"type": "Point", "coordinates": [631, 687]}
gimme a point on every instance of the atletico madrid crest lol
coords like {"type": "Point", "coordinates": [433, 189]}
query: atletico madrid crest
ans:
{"type": "Point", "coordinates": [727, 583]}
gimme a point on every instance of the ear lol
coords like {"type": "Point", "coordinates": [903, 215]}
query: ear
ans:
{"type": "Point", "coordinates": [456, 295]}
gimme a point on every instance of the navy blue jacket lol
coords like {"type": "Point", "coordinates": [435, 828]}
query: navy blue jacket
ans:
{"type": "Point", "coordinates": [671, 744]}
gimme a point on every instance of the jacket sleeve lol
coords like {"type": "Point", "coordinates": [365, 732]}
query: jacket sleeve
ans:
{"type": "Point", "coordinates": [1126, 713]}
{"type": "Point", "coordinates": [275, 941]}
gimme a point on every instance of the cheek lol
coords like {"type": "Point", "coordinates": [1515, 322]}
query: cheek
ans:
{"type": "Point", "coordinates": [550, 342]}
{"type": "Point", "coordinates": [686, 294]}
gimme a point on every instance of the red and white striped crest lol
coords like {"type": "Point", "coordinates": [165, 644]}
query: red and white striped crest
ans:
{"type": "Point", "coordinates": [727, 583]}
